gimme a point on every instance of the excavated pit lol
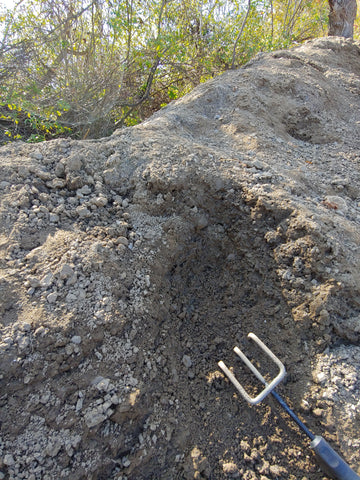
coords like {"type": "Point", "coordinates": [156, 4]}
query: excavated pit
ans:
{"type": "Point", "coordinates": [217, 280]}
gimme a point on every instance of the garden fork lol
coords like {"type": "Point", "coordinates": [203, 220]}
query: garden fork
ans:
{"type": "Point", "coordinates": [332, 463]}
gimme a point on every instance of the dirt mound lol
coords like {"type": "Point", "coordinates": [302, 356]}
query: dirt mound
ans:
{"type": "Point", "coordinates": [131, 265]}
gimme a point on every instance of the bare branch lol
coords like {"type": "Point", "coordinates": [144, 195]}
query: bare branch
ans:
{"type": "Point", "coordinates": [239, 34]}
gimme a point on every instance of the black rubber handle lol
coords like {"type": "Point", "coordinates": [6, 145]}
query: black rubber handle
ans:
{"type": "Point", "coordinates": [333, 463]}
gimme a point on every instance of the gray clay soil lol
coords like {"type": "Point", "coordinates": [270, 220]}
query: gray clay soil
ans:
{"type": "Point", "coordinates": [130, 265]}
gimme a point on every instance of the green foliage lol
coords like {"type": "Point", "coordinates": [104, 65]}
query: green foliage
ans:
{"type": "Point", "coordinates": [82, 68]}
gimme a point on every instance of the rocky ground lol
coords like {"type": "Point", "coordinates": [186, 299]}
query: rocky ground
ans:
{"type": "Point", "coordinates": [129, 266]}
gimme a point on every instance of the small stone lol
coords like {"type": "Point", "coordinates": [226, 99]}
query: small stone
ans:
{"type": "Point", "coordinates": [123, 241]}
{"type": "Point", "coordinates": [66, 272]}
{"type": "Point", "coordinates": [277, 471]}
{"type": "Point", "coordinates": [59, 169]}
{"type": "Point", "coordinates": [74, 183]}
{"type": "Point", "coordinates": [37, 155]}
{"type": "Point", "coordinates": [23, 342]}
{"type": "Point", "coordinates": [40, 332]}
{"type": "Point", "coordinates": [73, 164]}
{"type": "Point", "coordinates": [76, 339]}
{"type": "Point", "coordinates": [230, 468]}
{"type": "Point", "coordinates": [319, 377]}
{"type": "Point", "coordinates": [70, 297]}
{"type": "Point", "coordinates": [47, 280]}
{"type": "Point", "coordinates": [69, 349]}
{"type": "Point", "coordinates": [34, 282]}
{"type": "Point", "coordinates": [245, 446]}
{"type": "Point", "coordinates": [103, 385]}
{"type": "Point", "coordinates": [100, 201]}
{"type": "Point", "coordinates": [9, 460]}
{"type": "Point", "coordinates": [83, 212]}
{"type": "Point", "coordinates": [43, 175]}
{"type": "Point", "coordinates": [45, 398]}
{"type": "Point", "coordinates": [51, 298]}
{"type": "Point", "coordinates": [318, 412]}
{"type": "Point", "coordinates": [79, 404]}
{"type": "Point", "coordinates": [187, 361]}
{"type": "Point", "coordinates": [94, 418]}
{"type": "Point", "coordinates": [54, 218]}
{"type": "Point", "coordinates": [53, 449]}
{"type": "Point", "coordinates": [85, 190]}
{"type": "Point", "coordinates": [56, 183]}
{"type": "Point", "coordinates": [324, 315]}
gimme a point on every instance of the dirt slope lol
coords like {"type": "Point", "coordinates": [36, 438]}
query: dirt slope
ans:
{"type": "Point", "coordinates": [131, 265]}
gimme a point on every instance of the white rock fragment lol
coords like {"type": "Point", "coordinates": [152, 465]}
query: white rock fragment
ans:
{"type": "Point", "coordinates": [34, 282]}
{"type": "Point", "coordinates": [9, 460]}
{"type": "Point", "coordinates": [69, 349]}
{"type": "Point", "coordinates": [103, 385]}
{"type": "Point", "coordinates": [52, 297]}
{"type": "Point", "coordinates": [85, 190]}
{"type": "Point", "coordinates": [70, 297]}
{"type": "Point", "coordinates": [123, 241]}
{"type": "Point", "coordinates": [56, 183]}
{"type": "Point", "coordinates": [320, 377]}
{"type": "Point", "coordinates": [94, 418]}
{"type": "Point", "coordinates": [79, 404]}
{"type": "Point", "coordinates": [54, 218]}
{"type": "Point", "coordinates": [83, 212]}
{"type": "Point", "coordinates": [53, 448]}
{"type": "Point", "coordinates": [23, 342]}
{"type": "Point", "coordinates": [187, 361]}
{"type": "Point", "coordinates": [37, 155]}
{"type": "Point", "coordinates": [27, 379]}
{"type": "Point", "coordinates": [66, 272]}
{"type": "Point", "coordinates": [76, 339]}
{"type": "Point", "coordinates": [40, 332]}
{"type": "Point", "coordinates": [100, 201]}
{"type": "Point", "coordinates": [74, 164]}
{"type": "Point", "coordinates": [47, 280]}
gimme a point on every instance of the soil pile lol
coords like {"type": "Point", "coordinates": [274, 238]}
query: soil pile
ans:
{"type": "Point", "coordinates": [131, 265]}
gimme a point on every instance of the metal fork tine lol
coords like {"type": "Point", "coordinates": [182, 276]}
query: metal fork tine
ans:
{"type": "Point", "coordinates": [268, 386]}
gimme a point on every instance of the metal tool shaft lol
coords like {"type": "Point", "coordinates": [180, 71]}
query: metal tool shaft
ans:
{"type": "Point", "coordinates": [331, 461]}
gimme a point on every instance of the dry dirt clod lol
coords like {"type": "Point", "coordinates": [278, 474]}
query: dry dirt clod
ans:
{"type": "Point", "coordinates": [129, 266]}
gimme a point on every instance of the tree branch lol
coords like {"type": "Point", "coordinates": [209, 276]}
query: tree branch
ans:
{"type": "Point", "coordinates": [239, 34]}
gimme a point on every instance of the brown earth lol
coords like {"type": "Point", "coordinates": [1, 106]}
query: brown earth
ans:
{"type": "Point", "coordinates": [129, 266]}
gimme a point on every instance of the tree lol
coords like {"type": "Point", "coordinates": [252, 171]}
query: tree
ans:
{"type": "Point", "coordinates": [83, 68]}
{"type": "Point", "coordinates": [342, 17]}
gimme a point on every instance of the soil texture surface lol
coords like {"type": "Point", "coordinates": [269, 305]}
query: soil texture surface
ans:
{"type": "Point", "coordinates": [131, 265]}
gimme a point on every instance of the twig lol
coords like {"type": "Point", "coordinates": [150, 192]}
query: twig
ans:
{"type": "Point", "coordinates": [239, 34]}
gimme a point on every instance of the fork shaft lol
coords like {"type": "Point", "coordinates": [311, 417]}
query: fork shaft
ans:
{"type": "Point", "coordinates": [293, 415]}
